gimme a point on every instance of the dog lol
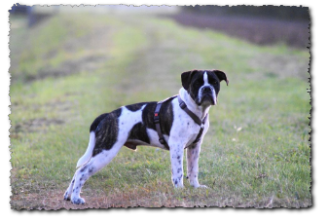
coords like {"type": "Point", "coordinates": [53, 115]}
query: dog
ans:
{"type": "Point", "coordinates": [177, 123]}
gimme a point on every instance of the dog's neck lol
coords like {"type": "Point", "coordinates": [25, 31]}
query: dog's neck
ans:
{"type": "Point", "coordinates": [200, 111]}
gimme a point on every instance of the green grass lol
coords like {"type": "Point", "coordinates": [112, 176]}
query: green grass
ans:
{"type": "Point", "coordinates": [256, 152]}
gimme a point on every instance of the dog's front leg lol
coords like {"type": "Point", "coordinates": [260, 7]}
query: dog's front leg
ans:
{"type": "Point", "coordinates": [192, 164]}
{"type": "Point", "coordinates": [176, 154]}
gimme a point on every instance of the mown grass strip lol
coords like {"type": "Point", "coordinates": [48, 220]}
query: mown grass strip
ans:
{"type": "Point", "coordinates": [256, 151]}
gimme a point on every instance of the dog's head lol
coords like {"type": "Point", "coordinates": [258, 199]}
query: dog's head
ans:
{"type": "Point", "coordinates": [203, 85]}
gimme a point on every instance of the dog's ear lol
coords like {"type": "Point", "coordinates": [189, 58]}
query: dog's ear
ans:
{"type": "Point", "coordinates": [222, 76]}
{"type": "Point", "coordinates": [186, 78]}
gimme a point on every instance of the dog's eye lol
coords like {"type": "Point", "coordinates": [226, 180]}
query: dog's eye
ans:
{"type": "Point", "coordinates": [199, 82]}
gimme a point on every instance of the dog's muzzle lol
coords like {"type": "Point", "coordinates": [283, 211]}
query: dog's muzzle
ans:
{"type": "Point", "coordinates": [207, 96]}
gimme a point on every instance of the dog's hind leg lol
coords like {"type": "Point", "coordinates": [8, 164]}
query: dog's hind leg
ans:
{"type": "Point", "coordinates": [84, 159]}
{"type": "Point", "coordinates": [68, 192]}
{"type": "Point", "coordinates": [94, 165]}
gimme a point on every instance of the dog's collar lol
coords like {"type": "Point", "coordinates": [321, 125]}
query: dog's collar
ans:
{"type": "Point", "coordinates": [192, 115]}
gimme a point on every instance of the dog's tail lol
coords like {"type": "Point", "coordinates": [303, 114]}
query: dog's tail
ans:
{"type": "Point", "coordinates": [92, 141]}
{"type": "Point", "coordinates": [88, 154]}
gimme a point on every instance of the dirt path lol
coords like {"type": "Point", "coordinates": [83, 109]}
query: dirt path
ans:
{"type": "Point", "coordinates": [263, 31]}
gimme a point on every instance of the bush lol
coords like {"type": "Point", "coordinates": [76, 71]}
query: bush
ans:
{"type": "Point", "coordinates": [278, 12]}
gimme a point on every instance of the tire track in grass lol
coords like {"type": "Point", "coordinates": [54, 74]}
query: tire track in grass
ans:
{"type": "Point", "coordinates": [62, 103]}
{"type": "Point", "coordinates": [151, 70]}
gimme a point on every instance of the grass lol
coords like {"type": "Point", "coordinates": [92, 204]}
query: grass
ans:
{"type": "Point", "coordinates": [256, 152]}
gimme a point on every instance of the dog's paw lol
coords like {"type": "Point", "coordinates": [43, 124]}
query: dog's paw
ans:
{"type": "Point", "coordinates": [66, 197]}
{"type": "Point", "coordinates": [78, 200]}
{"type": "Point", "coordinates": [178, 185]}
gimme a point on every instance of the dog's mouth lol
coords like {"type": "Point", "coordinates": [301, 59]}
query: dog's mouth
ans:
{"type": "Point", "coordinates": [206, 100]}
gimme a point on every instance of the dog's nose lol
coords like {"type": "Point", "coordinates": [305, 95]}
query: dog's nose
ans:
{"type": "Point", "coordinates": [207, 90]}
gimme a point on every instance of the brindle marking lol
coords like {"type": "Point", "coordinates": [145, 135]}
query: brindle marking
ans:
{"type": "Point", "coordinates": [106, 129]}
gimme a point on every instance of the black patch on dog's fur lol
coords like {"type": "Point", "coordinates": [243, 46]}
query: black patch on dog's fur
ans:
{"type": "Point", "coordinates": [106, 131]}
{"type": "Point", "coordinates": [95, 123]}
{"type": "Point", "coordinates": [139, 132]}
{"type": "Point", "coordinates": [165, 116]}
{"type": "Point", "coordinates": [83, 169]}
{"type": "Point", "coordinates": [148, 115]}
{"type": "Point", "coordinates": [136, 107]}
{"type": "Point", "coordinates": [214, 81]}
{"type": "Point", "coordinates": [192, 81]}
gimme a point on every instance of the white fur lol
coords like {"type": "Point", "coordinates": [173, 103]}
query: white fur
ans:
{"type": "Point", "coordinates": [88, 153]}
{"type": "Point", "coordinates": [183, 132]}
{"type": "Point", "coordinates": [154, 139]}
{"type": "Point", "coordinates": [127, 120]}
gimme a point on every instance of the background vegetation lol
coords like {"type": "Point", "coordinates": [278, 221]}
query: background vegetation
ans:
{"type": "Point", "coordinates": [289, 13]}
{"type": "Point", "coordinates": [72, 67]}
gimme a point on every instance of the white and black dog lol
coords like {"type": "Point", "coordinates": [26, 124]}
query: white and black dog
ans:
{"type": "Point", "coordinates": [175, 124]}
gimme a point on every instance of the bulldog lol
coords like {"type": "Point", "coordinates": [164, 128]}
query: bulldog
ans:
{"type": "Point", "coordinates": [176, 123]}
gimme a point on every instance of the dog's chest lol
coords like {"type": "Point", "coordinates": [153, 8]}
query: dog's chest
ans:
{"type": "Point", "coordinates": [184, 127]}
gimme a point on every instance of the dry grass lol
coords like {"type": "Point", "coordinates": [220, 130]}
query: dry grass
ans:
{"type": "Point", "coordinates": [163, 196]}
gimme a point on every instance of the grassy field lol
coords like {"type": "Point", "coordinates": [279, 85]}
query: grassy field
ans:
{"type": "Point", "coordinates": [71, 68]}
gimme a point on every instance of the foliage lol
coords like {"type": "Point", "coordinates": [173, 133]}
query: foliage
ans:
{"type": "Point", "coordinates": [278, 12]}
